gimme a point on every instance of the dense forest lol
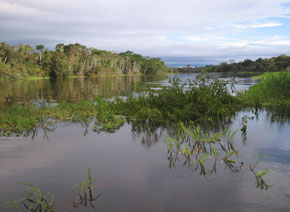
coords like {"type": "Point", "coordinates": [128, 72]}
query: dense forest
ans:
{"type": "Point", "coordinates": [23, 61]}
{"type": "Point", "coordinates": [273, 64]}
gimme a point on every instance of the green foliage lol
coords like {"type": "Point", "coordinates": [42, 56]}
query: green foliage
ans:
{"type": "Point", "coordinates": [85, 193]}
{"type": "Point", "coordinates": [35, 201]}
{"type": "Point", "coordinates": [22, 61]}
{"type": "Point", "coordinates": [18, 118]}
{"type": "Point", "coordinates": [273, 90]}
{"type": "Point", "coordinates": [244, 123]}
{"type": "Point", "coordinates": [197, 147]}
{"type": "Point", "coordinates": [260, 183]}
{"type": "Point", "coordinates": [273, 64]}
{"type": "Point", "coordinates": [204, 99]}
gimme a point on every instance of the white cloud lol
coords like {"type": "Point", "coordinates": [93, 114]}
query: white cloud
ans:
{"type": "Point", "coordinates": [157, 28]}
{"type": "Point", "coordinates": [208, 37]}
{"type": "Point", "coordinates": [257, 25]}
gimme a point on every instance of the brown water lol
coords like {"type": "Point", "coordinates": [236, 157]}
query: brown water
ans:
{"type": "Point", "coordinates": [132, 168]}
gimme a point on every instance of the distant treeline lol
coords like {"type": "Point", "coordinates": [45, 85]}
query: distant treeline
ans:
{"type": "Point", "coordinates": [273, 64]}
{"type": "Point", "coordinates": [23, 61]}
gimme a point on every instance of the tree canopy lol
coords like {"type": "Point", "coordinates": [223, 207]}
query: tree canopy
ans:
{"type": "Point", "coordinates": [21, 61]}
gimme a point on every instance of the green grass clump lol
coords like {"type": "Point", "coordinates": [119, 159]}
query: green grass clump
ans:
{"type": "Point", "coordinates": [201, 99]}
{"type": "Point", "coordinates": [272, 91]}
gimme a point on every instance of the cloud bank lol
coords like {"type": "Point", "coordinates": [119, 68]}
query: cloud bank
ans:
{"type": "Point", "coordinates": [216, 30]}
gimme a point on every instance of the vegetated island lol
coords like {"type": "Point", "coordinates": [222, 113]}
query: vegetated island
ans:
{"type": "Point", "coordinates": [206, 100]}
{"type": "Point", "coordinates": [23, 61]}
{"type": "Point", "coordinates": [274, 64]}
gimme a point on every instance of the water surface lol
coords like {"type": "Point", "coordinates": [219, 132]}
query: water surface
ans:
{"type": "Point", "coordinates": [132, 168]}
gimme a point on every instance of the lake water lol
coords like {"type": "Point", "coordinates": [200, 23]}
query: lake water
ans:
{"type": "Point", "coordinates": [130, 169]}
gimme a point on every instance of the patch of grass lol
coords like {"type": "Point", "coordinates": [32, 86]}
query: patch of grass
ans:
{"type": "Point", "coordinates": [203, 98]}
{"type": "Point", "coordinates": [274, 90]}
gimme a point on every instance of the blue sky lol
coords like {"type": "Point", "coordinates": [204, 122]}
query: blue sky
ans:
{"type": "Point", "coordinates": [180, 32]}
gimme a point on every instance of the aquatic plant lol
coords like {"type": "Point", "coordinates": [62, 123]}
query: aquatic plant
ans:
{"type": "Point", "coordinates": [35, 201]}
{"type": "Point", "coordinates": [85, 193]}
{"type": "Point", "coordinates": [245, 119]}
{"type": "Point", "coordinates": [199, 100]}
{"type": "Point", "coordinates": [197, 147]}
{"type": "Point", "coordinates": [260, 183]}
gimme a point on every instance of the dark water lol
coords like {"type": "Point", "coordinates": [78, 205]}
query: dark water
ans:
{"type": "Point", "coordinates": [132, 171]}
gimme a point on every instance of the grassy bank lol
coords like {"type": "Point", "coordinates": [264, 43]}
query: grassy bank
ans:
{"type": "Point", "coordinates": [273, 90]}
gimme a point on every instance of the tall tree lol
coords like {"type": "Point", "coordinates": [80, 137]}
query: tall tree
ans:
{"type": "Point", "coordinates": [40, 48]}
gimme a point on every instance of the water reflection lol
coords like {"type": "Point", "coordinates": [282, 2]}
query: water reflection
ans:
{"type": "Point", "coordinates": [72, 89]}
